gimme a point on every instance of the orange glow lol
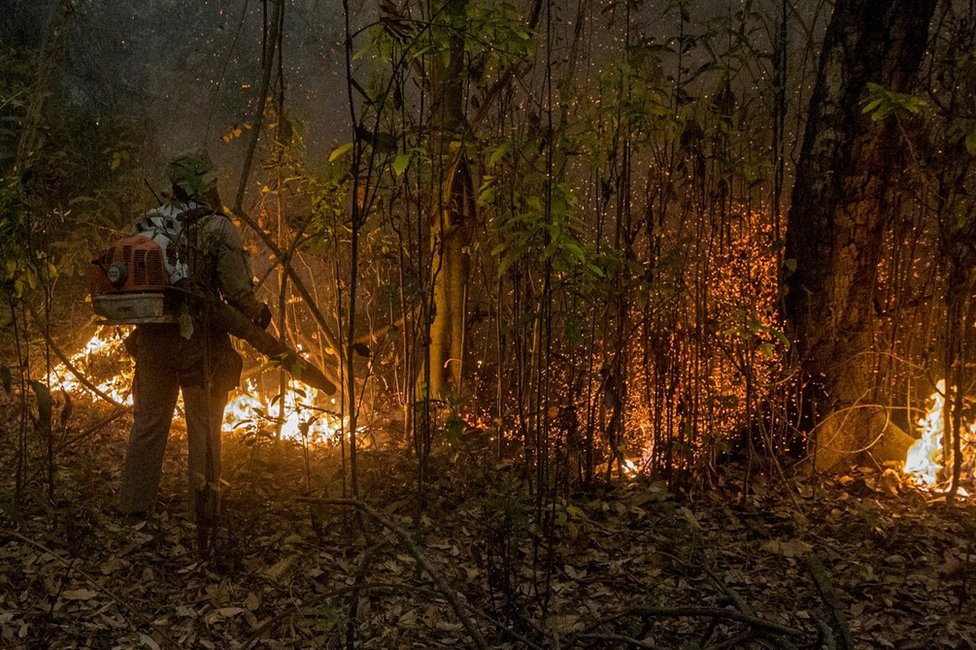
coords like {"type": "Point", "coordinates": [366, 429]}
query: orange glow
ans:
{"type": "Point", "coordinates": [105, 344]}
{"type": "Point", "coordinates": [302, 420]}
{"type": "Point", "coordinates": [305, 416]}
{"type": "Point", "coordinates": [924, 460]}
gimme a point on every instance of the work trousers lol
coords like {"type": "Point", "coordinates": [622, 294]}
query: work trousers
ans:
{"type": "Point", "coordinates": [156, 387]}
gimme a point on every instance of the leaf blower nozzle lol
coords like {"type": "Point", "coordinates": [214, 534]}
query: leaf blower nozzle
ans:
{"type": "Point", "coordinates": [237, 324]}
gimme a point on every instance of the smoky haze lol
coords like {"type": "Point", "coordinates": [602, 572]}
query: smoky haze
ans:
{"type": "Point", "coordinates": [182, 74]}
{"type": "Point", "coordinates": [178, 74]}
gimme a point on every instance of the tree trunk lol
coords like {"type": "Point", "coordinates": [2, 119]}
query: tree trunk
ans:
{"type": "Point", "coordinates": [838, 213]}
{"type": "Point", "coordinates": [452, 210]}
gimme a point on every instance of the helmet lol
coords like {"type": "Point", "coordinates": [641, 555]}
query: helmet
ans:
{"type": "Point", "coordinates": [192, 173]}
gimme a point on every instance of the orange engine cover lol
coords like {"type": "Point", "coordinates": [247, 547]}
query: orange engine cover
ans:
{"type": "Point", "coordinates": [133, 264]}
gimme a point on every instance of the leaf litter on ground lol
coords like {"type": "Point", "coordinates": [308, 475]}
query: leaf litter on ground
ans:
{"type": "Point", "coordinates": [628, 564]}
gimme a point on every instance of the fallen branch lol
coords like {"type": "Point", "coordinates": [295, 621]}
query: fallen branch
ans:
{"type": "Point", "coordinates": [731, 594]}
{"type": "Point", "coordinates": [366, 560]}
{"type": "Point", "coordinates": [442, 585]}
{"type": "Point", "coordinates": [738, 641]}
{"type": "Point", "coordinates": [618, 639]}
{"type": "Point", "coordinates": [80, 376]}
{"type": "Point", "coordinates": [821, 579]}
{"type": "Point", "coordinates": [742, 606]}
{"type": "Point", "coordinates": [395, 589]}
{"type": "Point", "coordinates": [826, 636]}
{"type": "Point", "coordinates": [695, 612]}
{"type": "Point", "coordinates": [97, 586]}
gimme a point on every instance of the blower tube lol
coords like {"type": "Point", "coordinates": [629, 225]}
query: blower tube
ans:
{"type": "Point", "coordinates": [237, 324]}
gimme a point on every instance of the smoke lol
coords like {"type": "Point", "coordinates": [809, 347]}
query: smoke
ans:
{"type": "Point", "coordinates": [182, 74]}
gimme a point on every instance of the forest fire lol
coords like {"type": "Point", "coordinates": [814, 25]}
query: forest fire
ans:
{"type": "Point", "coordinates": [98, 360]}
{"type": "Point", "coordinates": [925, 459]}
{"type": "Point", "coordinates": [105, 365]}
{"type": "Point", "coordinates": [252, 411]}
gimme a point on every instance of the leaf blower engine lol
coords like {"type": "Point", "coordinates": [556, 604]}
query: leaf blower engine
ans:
{"type": "Point", "coordinates": [131, 284]}
{"type": "Point", "coordinates": [129, 281]}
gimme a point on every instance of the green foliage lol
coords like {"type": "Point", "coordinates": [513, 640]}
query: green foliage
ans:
{"type": "Point", "coordinates": [15, 83]}
{"type": "Point", "coordinates": [751, 331]}
{"type": "Point", "coordinates": [569, 518]}
{"type": "Point", "coordinates": [555, 236]}
{"type": "Point", "coordinates": [493, 36]}
{"type": "Point", "coordinates": [880, 102]}
{"type": "Point", "coordinates": [18, 271]}
{"type": "Point", "coordinates": [970, 142]}
{"type": "Point", "coordinates": [329, 191]}
{"type": "Point", "coordinates": [496, 39]}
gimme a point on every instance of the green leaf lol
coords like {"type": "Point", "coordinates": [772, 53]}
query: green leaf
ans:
{"type": "Point", "coordinates": [67, 410]}
{"type": "Point", "coordinates": [400, 164]}
{"type": "Point", "coordinates": [44, 404]}
{"type": "Point", "coordinates": [881, 102]}
{"type": "Point", "coordinates": [871, 105]}
{"type": "Point", "coordinates": [340, 151]}
{"type": "Point", "coordinates": [573, 329]}
{"type": "Point", "coordinates": [778, 334]}
{"type": "Point", "coordinates": [499, 153]}
{"type": "Point", "coordinates": [971, 143]}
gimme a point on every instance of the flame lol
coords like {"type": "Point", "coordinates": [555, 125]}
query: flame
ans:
{"type": "Point", "coordinates": [248, 409]}
{"type": "Point", "coordinates": [301, 421]}
{"type": "Point", "coordinates": [632, 467]}
{"type": "Point", "coordinates": [105, 344]}
{"type": "Point", "coordinates": [924, 460]}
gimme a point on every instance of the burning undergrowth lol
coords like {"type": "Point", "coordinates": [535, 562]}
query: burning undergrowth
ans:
{"type": "Point", "coordinates": [260, 409]}
{"type": "Point", "coordinates": [926, 459]}
{"type": "Point", "coordinates": [103, 369]}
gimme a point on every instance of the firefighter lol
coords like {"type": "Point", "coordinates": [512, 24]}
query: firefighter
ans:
{"type": "Point", "coordinates": [190, 355]}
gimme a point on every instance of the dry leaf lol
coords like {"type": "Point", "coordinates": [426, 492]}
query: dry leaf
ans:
{"type": "Point", "coordinates": [253, 601]}
{"type": "Point", "coordinates": [281, 567]}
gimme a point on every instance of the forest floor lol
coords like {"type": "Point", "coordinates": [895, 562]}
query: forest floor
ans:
{"type": "Point", "coordinates": [861, 561]}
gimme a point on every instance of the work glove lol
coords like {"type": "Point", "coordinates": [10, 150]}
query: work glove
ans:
{"type": "Point", "coordinates": [263, 319]}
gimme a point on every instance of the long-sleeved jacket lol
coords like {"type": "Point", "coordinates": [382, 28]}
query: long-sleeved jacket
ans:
{"type": "Point", "coordinates": [210, 248]}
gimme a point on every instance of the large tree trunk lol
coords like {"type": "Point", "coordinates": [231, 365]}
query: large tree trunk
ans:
{"type": "Point", "coordinates": [838, 213]}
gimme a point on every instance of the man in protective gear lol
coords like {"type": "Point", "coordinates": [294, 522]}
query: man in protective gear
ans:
{"type": "Point", "coordinates": [191, 355]}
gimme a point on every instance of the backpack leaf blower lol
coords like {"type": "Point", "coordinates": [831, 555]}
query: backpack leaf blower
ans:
{"type": "Point", "coordinates": [137, 279]}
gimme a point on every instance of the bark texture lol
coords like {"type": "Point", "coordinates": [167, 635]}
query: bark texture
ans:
{"type": "Point", "coordinates": [847, 178]}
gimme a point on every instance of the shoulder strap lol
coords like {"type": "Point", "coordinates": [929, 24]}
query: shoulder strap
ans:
{"type": "Point", "coordinates": [188, 216]}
